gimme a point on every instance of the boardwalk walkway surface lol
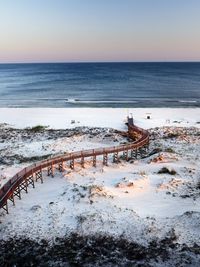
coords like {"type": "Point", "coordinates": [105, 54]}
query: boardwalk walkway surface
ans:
{"type": "Point", "coordinates": [27, 177]}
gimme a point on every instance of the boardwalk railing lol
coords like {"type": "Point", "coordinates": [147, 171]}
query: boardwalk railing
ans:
{"type": "Point", "coordinates": [27, 176]}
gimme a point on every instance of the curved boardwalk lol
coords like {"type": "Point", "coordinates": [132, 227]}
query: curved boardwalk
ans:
{"type": "Point", "coordinates": [27, 177]}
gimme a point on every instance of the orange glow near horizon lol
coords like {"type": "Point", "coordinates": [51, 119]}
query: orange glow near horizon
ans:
{"type": "Point", "coordinates": [124, 31]}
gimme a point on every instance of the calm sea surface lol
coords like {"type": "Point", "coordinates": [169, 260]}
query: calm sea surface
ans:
{"type": "Point", "coordinates": [100, 85]}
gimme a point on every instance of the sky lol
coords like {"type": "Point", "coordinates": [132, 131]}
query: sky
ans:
{"type": "Point", "coordinates": [99, 30]}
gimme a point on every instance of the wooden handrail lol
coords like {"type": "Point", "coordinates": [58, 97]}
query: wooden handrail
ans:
{"type": "Point", "coordinates": [6, 192]}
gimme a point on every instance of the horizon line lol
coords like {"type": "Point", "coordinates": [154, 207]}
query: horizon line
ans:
{"type": "Point", "coordinates": [100, 62]}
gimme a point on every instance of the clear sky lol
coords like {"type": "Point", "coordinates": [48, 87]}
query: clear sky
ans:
{"type": "Point", "coordinates": [99, 30]}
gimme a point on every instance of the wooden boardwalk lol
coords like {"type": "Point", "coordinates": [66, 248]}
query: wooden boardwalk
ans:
{"type": "Point", "coordinates": [29, 175]}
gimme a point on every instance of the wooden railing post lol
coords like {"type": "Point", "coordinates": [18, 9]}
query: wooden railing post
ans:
{"type": "Point", "coordinates": [94, 159]}
{"type": "Point", "coordinates": [72, 163]}
{"type": "Point", "coordinates": [60, 166]}
{"type": "Point", "coordinates": [82, 159]}
{"type": "Point", "coordinates": [50, 169]}
{"type": "Point", "coordinates": [105, 158]}
{"type": "Point", "coordinates": [11, 198]}
{"type": "Point", "coordinates": [17, 192]}
{"type": "Point", "coordinates": [32, 174]}
{"type": "Point", "coordinates": [5, 206]}
{"type": "Point", "coordinates": [38, 175]}
{"type": "Point", "coordinates": [125, 155]}
{"type": "Point", "coordinates": [116, 157]}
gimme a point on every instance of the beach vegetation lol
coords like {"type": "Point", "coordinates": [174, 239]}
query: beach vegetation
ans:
{"type": "Point", "coordinates": [165, 170]}
{"type": "Point", "coordinates": [38, 128]}
{"type": "Point", "coordinates": [169, 150]}
{"type": "Point", "coordinates": [172, 135]}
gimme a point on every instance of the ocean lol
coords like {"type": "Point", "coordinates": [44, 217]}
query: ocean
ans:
{"type": "Point", "coordinates": [100, 85]}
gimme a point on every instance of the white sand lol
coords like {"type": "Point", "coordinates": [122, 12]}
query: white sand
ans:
{"type": "Point", "coordinates": [99, 117]}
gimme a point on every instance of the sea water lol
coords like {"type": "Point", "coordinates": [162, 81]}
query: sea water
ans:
{"type": "Point", "coordinates": [100, 85]}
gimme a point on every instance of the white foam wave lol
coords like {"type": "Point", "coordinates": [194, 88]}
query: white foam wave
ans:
{"type": "Point", "coordinates": [77, 101]}
{"type": "Point", "coordinates": [187, 101]}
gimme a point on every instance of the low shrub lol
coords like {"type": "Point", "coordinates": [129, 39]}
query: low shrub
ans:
{"type": "Point", "coordinates": [38, 128]}
{"type": "Point", "coordinates": [169, 150]}
{"type": "Point", "coordinates": [165, 170]}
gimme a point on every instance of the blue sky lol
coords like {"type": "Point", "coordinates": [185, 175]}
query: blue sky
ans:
{"type": "Point", "coordinates": [99, 30]}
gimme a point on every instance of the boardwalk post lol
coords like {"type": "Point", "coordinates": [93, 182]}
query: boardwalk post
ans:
{"type": "Point", "coordinates": [23, 186]}
{"type": "Point", "coordinates": [125, 155]}
{"type": "Point", "coordinates": [60, 166]}
{"type": "Point", "coordinates": [115, 157]}
{"type": "Point", "coordinates": [5, 207]}
{"type": "Point", "coordinates": [82, 160]}
{"type": "Point", "coordinates": [31, 181]}
{"type": "Point", "coordinates": [17, 192]}
{"type": "Point", "coordinates": [134, 153]}
{"type": "Point", "coordinates": [32, 174]}
{"type": "Point", "coordinates": [94, 159]}
{"type": "Point", "coordinates": [26, 183]}
{"type": "Point", "coordinates": [50, 170]}
{"type": "Point", "coordinates": [141, 151]}
{"type": "Point", "coordinates": [41, 174]}
{"type": "Point", "coordinates": [38, 175]}
{"type": "Point", "coordinates": [11, 198]}
{"type": "Point", "coordinates": [72, 163]}
{"type": "Point", "coordinates": [105, 158]}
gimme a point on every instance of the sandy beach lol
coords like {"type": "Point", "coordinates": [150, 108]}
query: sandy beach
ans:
{"type": "Point", "coordinates": [141, 201]}
{"type": "Point", "coordinates": [61, 118]}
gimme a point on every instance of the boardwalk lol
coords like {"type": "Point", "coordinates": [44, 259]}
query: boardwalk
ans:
{"type": "Point", "coordinates": [27, 177]}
